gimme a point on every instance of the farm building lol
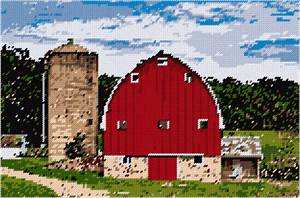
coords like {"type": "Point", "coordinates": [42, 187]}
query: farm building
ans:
{"type": "Point", "coordinates": [72, 97]}
{"type": "Point", "coordinates": [163, 123]}
{"type": "Point", "coordinates": [240, 158]}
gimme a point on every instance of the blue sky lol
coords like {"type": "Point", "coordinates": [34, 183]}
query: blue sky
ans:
{"type": "Point", "coordinates": [246, 40]}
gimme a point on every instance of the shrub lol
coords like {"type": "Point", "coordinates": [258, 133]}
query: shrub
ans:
{"type": "Point", "coordinates": [276, 170]}
{"type": "Point", "coordinates": [75, 148]}
{"type": "Point", "coordinates": [285, 164]}
{"type": "Point", "coordinates": [36, 152]}
{"type": "Point", "coordinates": [100, 140]}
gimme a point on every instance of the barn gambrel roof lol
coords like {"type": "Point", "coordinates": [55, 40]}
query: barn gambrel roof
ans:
{"type": "Point", "coordinates": [144, 62]}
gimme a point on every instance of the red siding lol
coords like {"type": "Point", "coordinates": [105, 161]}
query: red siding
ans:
{"type": "Point", "coordinates": [162, 94]}
{"type": "Point", "coordinates": [162, 168]}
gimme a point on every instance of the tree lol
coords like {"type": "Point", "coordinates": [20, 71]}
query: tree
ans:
{"type": "Point", "coordinates": [268, 104]}
{"type": "Point", "coordinates": [21, 87]}
{"type": "Point", "coordinates": [76, 147]}
{"type": "Point", "coordinates": [106, 86]}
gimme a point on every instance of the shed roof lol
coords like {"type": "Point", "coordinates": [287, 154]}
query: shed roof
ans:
{"type": "Point", "coordinates": [241, 146]}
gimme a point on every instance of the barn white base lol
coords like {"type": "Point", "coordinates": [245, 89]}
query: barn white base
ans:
{"type": "Point", "coordinates": [207, 171]}
{"type": "Point", "coordinates": [136, 169]}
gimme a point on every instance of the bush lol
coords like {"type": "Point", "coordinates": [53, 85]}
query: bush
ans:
{"type": "Point", "coordinates": [36, 152]}
{"type": "Point", "coordinates": [75, 148]}
{"type": "Point", "coordinates": [100, 140]}
{"type": "Point", "coordinates": [277, 171]}
{"type": "Point", "coordinates": [9, 141]}
{"type": "Point", "coordinates": [285, 164]}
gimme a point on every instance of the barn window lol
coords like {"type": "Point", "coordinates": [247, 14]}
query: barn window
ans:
{"type": "Point", "coordinates": [162, 61]}
{"type": "Point", "coordinates": [163, 124]}
{"type": "Point", "coordinates": [202, 123]}
{"type": "Point", "coordinates": [122, 125]}
{"type": "Point", "coordinates": [134, 77]}
{"type": "Point", "coordinates": [188, 77]}
{"type": "Point", "coordinates": [197, 159]}
{"type": "Point", "coordinates": [126, 160]}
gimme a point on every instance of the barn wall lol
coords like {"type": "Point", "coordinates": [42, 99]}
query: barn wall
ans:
{"type": "Point", "coordinates": [138, 169]}
{"type": "Point", "coordinates": [208, 171]}
{"type": "Point", "coordinates": [162, 94]}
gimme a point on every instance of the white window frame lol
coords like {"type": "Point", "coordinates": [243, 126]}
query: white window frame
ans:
{"type": "Point", "coordinates": [168, 124]}
{"type": "Point", "coordinates": [165, 59]}
{"type": "Point", "coordinates": [201, 120]}
{"type": "Point", "coordinates": [131, 78]}
{"type": "Point", "coordinates": [128, 160]}
{"type": "Point", "coordinates": [119, 124]}
{"type": "Point", "coordinates": [186, 78]}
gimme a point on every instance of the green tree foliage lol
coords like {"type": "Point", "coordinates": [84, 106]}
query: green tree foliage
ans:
{"type": "Point", "coordinates": [269, 104]}
{"type": "Point", "coordinates": [106, 86]}
{"type": "Point", "coordinates": [21, 88]}
{"type": "Point", "coordinates": [74, 148]}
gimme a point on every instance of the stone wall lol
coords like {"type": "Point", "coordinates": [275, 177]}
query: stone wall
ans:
{"type": "Point", "coordinates": [72, 101]}
{"type": "Point", "coordinates": [137, 169]}
{"type": "Point", "coordinates": [208, 171]}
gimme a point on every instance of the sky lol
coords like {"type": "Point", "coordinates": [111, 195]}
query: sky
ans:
{"type": "Point", "coordinates": [245, 40]}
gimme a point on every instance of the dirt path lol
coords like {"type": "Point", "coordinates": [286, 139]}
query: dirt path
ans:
{"type": "Point", "coordinates": [62, 188]}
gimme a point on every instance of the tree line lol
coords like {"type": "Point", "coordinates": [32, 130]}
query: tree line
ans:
{"type": "Point", "coordinates": [268, 104]}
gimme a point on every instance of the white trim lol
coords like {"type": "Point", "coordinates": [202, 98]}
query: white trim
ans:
{"type": "Point", "coordinates": [114, 155]}
{"type": "Point", "coordinates": [175, 154]}
{"type": "Point", "coordinates": [103, 123]}
{"type": "Point", "coordinates": [131, 78]}
{"type": "Point", "coordinates": [186, 78]}
{"type": "Point", "coordinates": [119, 124]}
{"type": "Point", "coordinates": [162, 58]}
{"type": "Point", "coordinates": [199, 121]}
{"type": "Point", "coordinates": [43, 108]}
{"type": "Point", "coordinates": [221, 124]}
{"type": "Point", "coordinates": [165, 59]}
{"type": "Point", "coordinates": [168, 124]}
{"type": "Point", "coordinates": [128, 162]}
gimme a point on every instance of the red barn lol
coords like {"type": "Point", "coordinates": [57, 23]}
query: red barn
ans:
{"type": "Point", "coordinates": [162, 123]}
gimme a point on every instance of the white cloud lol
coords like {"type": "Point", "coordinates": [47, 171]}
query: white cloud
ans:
{"type": "Point", "coordinates": [218, 45]}
{"type": "Point", "coordinates": [250, 71]}
{"type": "Point", "coordinates": [144, 27]}
{"type": "Point", "coordinates": [198, 9]}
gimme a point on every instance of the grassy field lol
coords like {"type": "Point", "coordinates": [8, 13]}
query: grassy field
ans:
{"type": "Point", "coordinates": [12, 187]}
{"type": "Point", "coordinates": [136, 187]}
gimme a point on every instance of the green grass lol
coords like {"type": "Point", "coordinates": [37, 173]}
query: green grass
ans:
{"type": "Point", "coordinates": [25, 162]}
{"type": "Point", "coordinates": [271, 141]}
{"type": "Point", "coordinates": [12, 187]}
{"type": "Point", "coordinates": [138, 187]}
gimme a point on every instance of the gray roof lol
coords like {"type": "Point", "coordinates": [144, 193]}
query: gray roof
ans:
{"type": "Point", "coordinates": [241, 146]}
